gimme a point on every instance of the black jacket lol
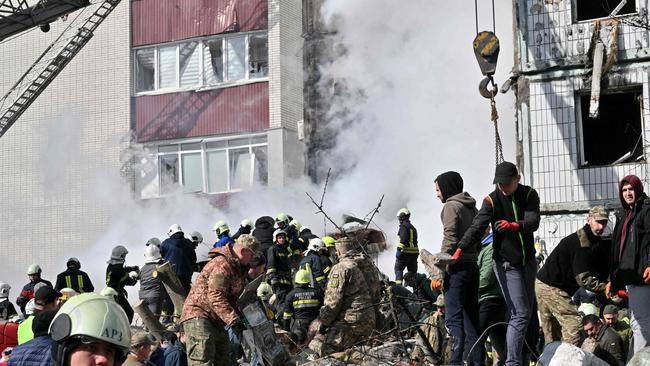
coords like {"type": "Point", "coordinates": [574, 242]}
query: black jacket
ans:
{"type": "Point", "coordinates": [242, 230]}
{"type": "Point", "coordinates": [7, 309]}
{"type": "Point", "coordinates": [628, 265]}
{"type": "Point", "coordinates": [572, 263]}
{"type": "Point", "coordinates": [522, 207]}
{"type": "Point", "coordinates": [75, 279]}
{"type": "Point", "coordinates": [263, 232]}
{"type": "Point", "coordinates": [117, 277]}
{"type": "Point", "coordinates": [305, 236]}
{"type": "Point", "coordinates": [179, 252]}
{"type": "Point", "coordinates": [302, 303]}
{"type": "Point", "coordinates": [408, 238]}
{"type": "Point", "coordinates": [609, 346]}
{"type": "Point", "coordinates": [150, 287]}
{"type": "Point", "coordinates": [279, 264]}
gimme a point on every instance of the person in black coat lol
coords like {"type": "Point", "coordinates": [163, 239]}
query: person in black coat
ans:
{"type": "Point", "coordinates": [179, 251]}
{"type": "Point", "coordinates": [74, 278]}
{"type": "Point", "coordinates": [118, 276]}
{"type": "Point", "coordinates": [263, 232]}
{"type": "Point", "coordinates": [245, 227]}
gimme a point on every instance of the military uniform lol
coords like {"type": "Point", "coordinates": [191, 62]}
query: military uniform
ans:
{"type": "Point", "coordinates": [435, 332]}
{"type": "Point", "coordinates": [302, 305]}
{"type": "Point", "coordinates": [210, 306]}
{"type": "Point", "coordinates": [346, 312]}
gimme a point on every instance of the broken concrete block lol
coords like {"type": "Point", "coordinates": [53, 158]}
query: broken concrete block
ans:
{"type": "Point", "coordinates": [565, 354]}
{"type": "Point", "coordinates": [641, 358]}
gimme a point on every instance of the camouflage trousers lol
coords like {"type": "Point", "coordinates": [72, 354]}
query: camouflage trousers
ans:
{"type": "Point", "coordinates": [560, 318]}
{"type": "Point", "coordinates": [207, 344]}
{"type": "Point", "coordinates": [339, 337]}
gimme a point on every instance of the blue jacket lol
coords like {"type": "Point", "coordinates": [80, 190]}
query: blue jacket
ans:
{"type": "Point", "coordinates": [180, 253]}
{"type": "Point", "coordinates": [157, 357]}
{"type": "Point", "coordinates": [176, 355]}
{"type": "Point", "coordinates": [224, 239]}
{"type": "Point", "coordinates": [37, 352]}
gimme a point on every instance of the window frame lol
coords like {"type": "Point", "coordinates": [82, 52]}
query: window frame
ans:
{"type": "Point", "coordinates": [204, 150]}
{"type": "Point", "coordinates": [574, 13]}
{"type": "Point", "coordinates": [202, 84]}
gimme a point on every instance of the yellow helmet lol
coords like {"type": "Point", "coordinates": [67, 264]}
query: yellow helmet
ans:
{"type": "Point", "coordinates": [328, 241]}
{"type": "Point", "coordinates": [302, 277]}
{"type": "Point", "coordinates": [220, 227]}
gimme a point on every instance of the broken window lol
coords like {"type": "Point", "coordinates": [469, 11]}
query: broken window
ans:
{"type": "Point", "coordinates": [189, 55]}
{"type": "Point", "coordinates": [167, 67]}
{"type": "Point", "coordinates": [258, 56]}
{"type": "Point", "coordinates": [168, 170]}
{"type": "Point", "coordinates": [145, 70]}
{"type": "Point", "coordinates": [240, 168]}
{"type": "Point", "coordinates": [236, 50]}
{"type": "Point", "coordinates": [615, 136]}
{"type": "Point", "coordinates": [594, 9]}
{"type": "Point", "coordinates": [213, 61]}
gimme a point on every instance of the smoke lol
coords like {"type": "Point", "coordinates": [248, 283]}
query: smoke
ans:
{"type": "Point", "coordinates": [410, 110]}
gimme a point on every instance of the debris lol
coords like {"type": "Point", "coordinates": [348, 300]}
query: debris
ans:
{"type": "Point", "coordinates": [565, 354]}
{"type": "Point", "coordinates": [173, 286]}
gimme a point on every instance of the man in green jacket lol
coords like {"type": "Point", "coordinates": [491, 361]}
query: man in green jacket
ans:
{"type": "Point", "coordinates": [491, 304]}
{"type": "Point", "coordinates": [610, 314]}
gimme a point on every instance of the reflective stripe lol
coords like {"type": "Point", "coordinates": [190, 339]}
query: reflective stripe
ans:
{"type": "Point", "coordinates": [521, 238]}
{"type": "Point", "coordinates": [320, 278]}
{"type": "Point", "coordinates": [271, 270]}
{"type": "Point", "coordinates": [326, 270]}
{"type": "Point", "coordinates": [68, 283]}
{"type": "Point", "coordinates": [297, 303]}
{"type": "Point", "coordinates": [80, 282]}
{"type": "Point", "coordinates": [287, 315]}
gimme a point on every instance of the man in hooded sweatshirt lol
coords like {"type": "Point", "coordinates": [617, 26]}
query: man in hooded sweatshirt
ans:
{"type": "Point", "coordinates": [631, 257]}
{"type": "Point", "coordinates": [461, 280]}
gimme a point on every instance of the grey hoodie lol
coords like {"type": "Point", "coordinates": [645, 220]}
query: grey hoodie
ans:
{"type": "Point", "coordinates": [457, 216]}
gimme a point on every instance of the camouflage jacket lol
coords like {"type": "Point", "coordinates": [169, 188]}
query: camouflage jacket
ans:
{"type": "Point", "coordinates": [371, 274]}
{"type": "Point", "coordinates": [347, 297]}
{"type": "Point", "coordinates": [214, 293]}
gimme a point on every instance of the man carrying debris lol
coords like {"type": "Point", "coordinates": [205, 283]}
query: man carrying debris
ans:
{"type": "Point", "coordinates": [609, 345]}
{"type": "Point", "coordinates": [407, 252]}
{"type": "Point", "coordinates": [631, 257]}
{"type": "Point", "coordinates": [513, 211]}
{"type": "Point", "coordinates": [346, 316]}
{"type": "Point", "coordinates": [74, 278]}
{"type": "Point", "coordinates": [278, 268]}
{"type": "Point", "coordinates": [571, 265]}
{"type": "Point", "coordinates": [461, 279]}
{"type": "Point", "coordinates": [211, 304]}
{"type": "Point", "coordinates": [301, 305]}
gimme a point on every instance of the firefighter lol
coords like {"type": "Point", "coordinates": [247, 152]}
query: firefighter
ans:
{"type": "Point", "coordinates": [264, 293]}
{"type": "Point", "coordinates": [302, 305]}
{"type": "Point", "coordinates": [223, 234]}
{"type": "Point", "coordinates": [7, 309]}
{"type": "Point", "coordinates": [278, 269]}
{"type": "Point", "coordinates": [304, 236]}
{"type": "Point", "coordinates": [34, 273]}
{"type": "Point", "coordinates": [288, 224]}
{"type": "Point", "coordinates": [196, 238]}
{"type": "Point", "coordinates": [245, 227]}
{"type": "Point", "coordinates": [312, 262]}
{"type": "Point", "coordinates": [331, 248]}
{"type": "Point", "coordinates": [74, 278]}
{"type": "Point", "coordinates": [179, 252]}
{"type": "Point", "coordinates": [407, 252]}
{"type": "Point", "coordinates": [90, 329]}
{"type": "Point", "coordinates": [118, 276]}
{"type": "Point", "coordinates": [153, 241]}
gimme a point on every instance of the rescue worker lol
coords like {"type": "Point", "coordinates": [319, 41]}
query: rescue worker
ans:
{"type": "Point", "coordinates": [211, 304]}
{"type": "Point", "coordinates": [346, 316]}
{"type": "Point", "coordinates": [90, 329]}
{"type": "Point", "coordinates": [74, 278]}
{"type": "Point", "coordinates": [118, 276]}
{"type": "Point", "coordinates": [421, 286]}
{"type": "Point", "coordinates": [153, 241]}
{"type": "Point", "coordinates": [513, 211]}
{"type": "Point", "coordinates": [152, 291]}
{"type": "Point", "coordinates": [245, 227]}
{"type": "Point", "coordinates": [196, 238]}
{"type": "Point", "coordinates": [297, 243]}
{"type": "Point", "coordinates": [301, 305]}
{"type": "Point", "coordinates": [313, 264]}
{"type": "Point", "coordinates": [223, 234]}
{"type": "Point", "coordinates": [571, 265]}
{"type": "Point", "coordinates": [610, 315]}
{"type": "Point", "coordinates": [45, 300]}
{"type": "Point", "coordinates": [462, 277]}
{"type": "Point", "coordinates": [631, 257]}
{"type": "Point", "coordinates": [179, 252]}
{"type": "Point", "coordinates": [436, 333]}
{"type": "Point", "coordinates": [284, 222]}
{"type": "Point", "coordinates": [304, 236]}
{"type": "Point", "coordinates": [331, 248]}
{"type": "Point", "coordinates": [264, 293]}
{"type": "Point", "coordinates": [407, 249]}
{"type": "Point", "coordinates": [263, 232]}
{"type": "Point", "coordinates": [7, 310]}
{"type": "Point", "coordinates": [140, 349]}
{"type": "Point", "coordinates": [279, 265]}
{"type": "Point", "coordinates": [25, 332]}
{"type": "Point", "coordinates": [37, 351]}
{"type": "Point", "coordinates": [609, 345]}
{"type": "Point", "coordinates": [34, 274]}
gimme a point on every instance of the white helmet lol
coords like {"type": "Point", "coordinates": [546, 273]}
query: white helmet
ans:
{"type": "Point", "coordinates": [295, 224]}
{"type": "Point", "coordinates": [220, 227]}
{"type": "Point", "coordinates": [196, 237]}
{"type": "Point", "coordinates": [33, 269]}
{"type": "Point", "coordinates": [4, 290]}
{"type": "Point", "coordinates": [315, 244]}
{"type": "Point", "coordinates": [403, 212]}
{"type": "Point", "coordinates": [30, 307]}
{"type": "Point", "coordinates": [279, 232]}
{"type": "Point", "coordinates": [303, 228]}
{"type": "Point", "coordinates": [152, 254]}
{"type": "Point", "coordinates": [246, 223]}
{"type": "Point", "coordinates": [176, 228]}
{"type": "Point", "coordinates": [153, 241]}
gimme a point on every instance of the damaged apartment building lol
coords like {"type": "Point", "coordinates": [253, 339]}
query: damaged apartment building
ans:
{"type": "Point", "coordinates": [582, 101]}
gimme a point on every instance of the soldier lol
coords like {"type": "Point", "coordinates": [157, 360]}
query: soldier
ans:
{"type": "Point", "coordinates": [278, 269]}
{"type": "Point", "coordinates": [302, 305]}
{"type": "Point", "coordinates": [346, 317]}
{"type": "Point", "coordinates": [407, 252]}
{"type": "Point", "coordinates": [571, 265]}
{"type": "Point", "coordinates": [436, 332]}
{"type": "Point", "coordinates": [331, 249]}
{"type": "Point", "coordinates": [211, 303]}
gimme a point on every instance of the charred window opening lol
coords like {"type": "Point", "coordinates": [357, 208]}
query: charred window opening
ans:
{"type": "Point", "coordinates": [594, 9]}
{"type": "Point", "coordinates": [615, 136]}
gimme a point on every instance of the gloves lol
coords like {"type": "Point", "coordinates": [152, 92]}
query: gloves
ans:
{"type": "Point", "coordinates": [322, 329]}
{"type": "Point", "coordinates": [608, 290]}
{"type": "Point", "coordinates": [398, 253]}
{"type": "Point", "coordinates": [134, 275]}
{"type": "Point", "coordinates": [457, 254]}
{"type": "Point", "coordinates": [622, 294]}
{"type": "Point", "coordinates": [646, 276]}
{"type": "Point", "coordinates": [436, 285]}
{"type": "Point", "coordinates": [238, 328]}
{"type": "Point", "coordinates": [503, 225]}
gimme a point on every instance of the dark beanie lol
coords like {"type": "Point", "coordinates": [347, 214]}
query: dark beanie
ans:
{"type": "Point", "coordinates": [450, 184]}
